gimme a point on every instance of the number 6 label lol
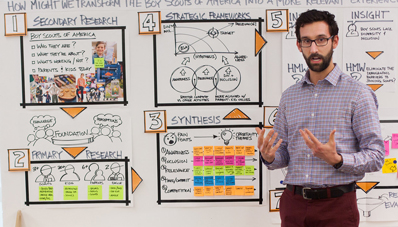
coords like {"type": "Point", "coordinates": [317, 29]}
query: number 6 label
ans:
{"type": "Point", "coordinates": [18, 160]}
{"type": "Point", "coordinates": [155, 121]}
{"type": "Point", "coordinates": [149, 23]}
{"type": "Point", "coordinates": [277, 20]}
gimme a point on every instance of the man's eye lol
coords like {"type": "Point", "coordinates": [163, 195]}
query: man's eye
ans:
{"type": "Point", "coordinates": [321, 40]}
{"type": "Point", "coordinates": [306, 41]}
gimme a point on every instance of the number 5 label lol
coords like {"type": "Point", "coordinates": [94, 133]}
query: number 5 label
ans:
{"type": "Point", "coordinates": [155, 121]}
{"type": "Point", "coordinates": [18, 160]}
{"type": "Point", "coordinates": [277, 20]}
{"type": "Point", "coordinates": [149, 23]}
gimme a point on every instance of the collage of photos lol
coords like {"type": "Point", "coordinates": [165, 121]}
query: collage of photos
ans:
{"type": "Point", "coordinates": [104, 84]}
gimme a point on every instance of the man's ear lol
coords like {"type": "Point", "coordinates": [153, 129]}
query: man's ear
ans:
{"type": "Point", "coordinates": [298, 46]}
{"type": "Point", "coordinates": [335, 41]}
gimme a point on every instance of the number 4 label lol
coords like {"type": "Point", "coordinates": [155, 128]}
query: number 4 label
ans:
{"type": "Point", "coordinates": [18, 160]}
{"type": "Point", "coordinates": [149, 23]}
{"type": "Point", "coordinates": [155, 121]}
{"type": "Point", "coordinates": [277, 20]}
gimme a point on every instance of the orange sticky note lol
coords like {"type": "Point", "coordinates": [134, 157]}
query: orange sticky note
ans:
{"type": "Point", "coordinates": [239, 150]}
{"type": "Point", "coordinates": [219, 190]}
{"type": "Point", "coordinates": [208, 150]}
{"type": "Point", "coordinates": [198, 191]}
{"type": "Point", "coordinates": [218, 151]}
{"type": "Point", "coordinates": [249, 190]}
{"type": "Point", "coordinates": [197, 151]}
{"type": "Point", "coordinates": [209, 191]}
{"type": "Point", "coordinates": [239, 190]}
{"type": "Point", "coordinates": [249, 150]}
{"type": "Point", "coordinates": [229, 150]}
{"type": "Point", "coordinates": [229, 190]}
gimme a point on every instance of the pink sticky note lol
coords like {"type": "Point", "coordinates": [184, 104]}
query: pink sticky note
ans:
{"type": "Point", "coordinates": [229, 160]}
{"type": "Point", "coordinates": [219, 160]}
{"type": "Point", "coordinates": [240, 160]}
{"type": "Point", "coordinates": [209, 160]}
{"type": "Point", "coordinates": [198, 160]}
{"type": "Point", "coordinates": [394, 143]}
{"type": "Point", "coordinates": [387, 147]}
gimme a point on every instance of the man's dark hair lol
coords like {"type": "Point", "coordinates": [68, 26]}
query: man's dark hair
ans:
{"type": "Point", "coordinates": [314, 15]}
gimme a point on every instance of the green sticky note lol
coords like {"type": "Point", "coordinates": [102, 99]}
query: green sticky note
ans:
{"type": "Point", "coordinates": [239, 170]}
{"type": "Point", "coordinates": [209, 171]}
{"type": "Point", "coordinates": [46, 193]}
{"type": "Point", "coordinates": [198, 170]}
{"type": "Point", "coordinates": [94, 192]}
{"type": "Point", "coordinates": [229, 170]}
{"type": "Point", "coordinates": [70, 192]}
{"type": "Point", "coordinates": [249, 170]}
{"type": "Point", "coordinates": [99, 63]}
{"type": "Point", "coordinates": [219, 171]}
{"type": "Point", "coordinates": [116, 192]}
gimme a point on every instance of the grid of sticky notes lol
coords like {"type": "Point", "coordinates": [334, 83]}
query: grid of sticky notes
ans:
{"type": "Point", "coordinates": [217, 168]}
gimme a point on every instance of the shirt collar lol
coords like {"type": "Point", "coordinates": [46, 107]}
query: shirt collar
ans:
{"type": "Point", "coordinates": [333, 77]}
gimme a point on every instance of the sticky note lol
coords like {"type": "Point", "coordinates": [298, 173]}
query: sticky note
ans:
{"type": "Point", "coordinates": [209, 191]}
{"type": "Point", "coordinates": [229, 170]}
{"type": "Point", "coordinates": [116, 192]}
{"type": "Point", "coordinates": [219, 171]}
{"type": "Point", "coordinates": [240, 160]}
{"type": "Point", "coordinates": [99, 63]}
{"type": "Point", "coordinates": [249, 190]}
{"type": "Point", "coordinates": [239, 150]}
{"type": "Point", "coordinates": [71, 193]}
{"type": "Point", "coordinates": [387, 147]}
{"type": "Point", "coordinates": [198, 151]}
{"type": "Point", "coordinates": [219, 160]}
{"type": "Point", "coordinates": [208, 171]}
{"type": "Point", "coordinates": [229, 190]}
{"type": "Point", "coordinates": [239, 170]}
{"type": "Point", "coordinates": [239, 190]}
{"type": "Point", "coordinates": [198, 170]}
{"type": "Point", "coordinates": [249, 150]}
{"type": "Point", "coordinates": [198, 191]}
{"type": "Point", "coordinates": [94, 192]}
{"type": "Point", "coordinates": [229, 160]}
{"type": "Point", "coordinates": [249, 170]}
{"type": "Point", "coordinates": [218, 151]}
{"type": "Point", "coordinates": [219, 180]}
{"type": "Point", "coordinates": [394, 141]}
{"type": "Point", "coordinates": [208, 150]}
{"type": "Point", "coordinates": [229, 180]}
{"type": "Point", "coordinates": [46, 193]}
{"type": "Point", "coordinates": [209, 160]}
{"type": "Point", "coordinates": [197, 181]}
{"type": "Point", "coordinates": [219, 190]}
{"type": "Point", "coordinates": [229, 150]}
{"type": "Point", "coordinates": [198, 160]}
{"type": "Point", "coordinates": [390, 165]}
{"type": "Point", "coordinates": [209, 181]}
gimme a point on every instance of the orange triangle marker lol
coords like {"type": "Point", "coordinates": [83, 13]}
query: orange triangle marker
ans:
{"type": "Point", "coordinates": [374, 54]}
{"type": "Point", "coordinates": [74, 151]}
{"type": "Point", "coordinates": [375, 86]}
{"type": "Point", "coordinates": [135, 179]}
{"type": "Point", "coordinates": [73, 111]}
{"type": "Point", "coordinates": [236, 114]}
{"type": "Point", "coordinates": [259, 41]}
{"type": "Point", "coordinates": [367, 186]}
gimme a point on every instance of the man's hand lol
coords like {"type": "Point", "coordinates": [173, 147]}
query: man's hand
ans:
{"type": "Point", "coordinates": [265, 144]}
{"type": "Point", "coordinates": [327, 151]}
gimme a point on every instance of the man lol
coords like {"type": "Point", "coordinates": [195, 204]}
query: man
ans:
{"type": "Point", "coordinates": [81, 83]}
{"type": "Point", "coordinates": [54, 90]}
{"type": "Point", "coordinates": [326, 132]}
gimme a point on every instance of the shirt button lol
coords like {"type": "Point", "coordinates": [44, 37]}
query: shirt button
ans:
{"type": "Point", "coordinates": [316, 95]}
{"type": "Point", "coordinates": [308, 155]}
{"type": "Point", "coordinates": [306, 176]}
{"type": "Point", "coordinates": [312, 114]}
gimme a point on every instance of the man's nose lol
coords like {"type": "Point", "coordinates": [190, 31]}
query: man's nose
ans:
{"type": "Point", "coordinates": [313, 47]}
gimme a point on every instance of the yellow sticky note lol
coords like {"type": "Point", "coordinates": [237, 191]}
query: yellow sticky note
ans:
{"type": "Point", "coordinates": [219, 190]}
{"type": "Point", "coordinates": [249, 170]}
{"type": "Point", "coordinates": [94, 192]}
{"type": "Point", "coordinates": [208, 150]}
{"type": "Point", "coordinates": [229, 190]}
{"type": "Point", "coordinates": [229, 170]}
{"type": "Point", "coordinates": [46, 193]}
{"type": "Point", "coordinates": [209, 191]}
{"type": "Point", "coordinates": [390, 165]}
{"type": "Point", "coordinates": [229, 150]}
{"type": "Point", "coordinates": [239, 190]}
{"type": "Point", "coordinates": [249, 150]}
{"type": "Point", "coordinates": [198, 151]}
{"type": "Point", "coordinates": [198, 191]}
{"type": "Point", "coordinates": [99, 63]}
{"type": "Point", "coordinates": [116, 192]}
{"type": "Point", "coordinates": [71, 193]}
{"type": "Point", "coordinates": [249, 190]}
{"type": "Point", "coordinates": [209, 171]}
{"type": "Point", "coordinates": [198, 170]}
{"type": "Point", "coordinates": [218, 151]}
{"type": "Point", "coordinates": [239, 150]}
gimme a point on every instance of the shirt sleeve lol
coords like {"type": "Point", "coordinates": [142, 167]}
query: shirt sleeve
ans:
{"type": "Point", "coordinates": [366, 126]}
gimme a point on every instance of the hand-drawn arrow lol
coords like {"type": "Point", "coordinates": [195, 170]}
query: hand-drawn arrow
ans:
{"type": "Point", "coordinates": [214, 136]}
{"type": "Point", "coordinates": [206, 72]}
{"type": "Point", "coordinates": [252, 179]}
{"type": "Point", "coordinates": [185, 61]}
{"type": "Point", "coordinates": [251, 159]}
{"type": "Point", "coordinates": [225, 60]}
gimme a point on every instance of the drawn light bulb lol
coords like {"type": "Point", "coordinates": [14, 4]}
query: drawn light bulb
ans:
{"type": "Point", "coordinates": [226, 135]}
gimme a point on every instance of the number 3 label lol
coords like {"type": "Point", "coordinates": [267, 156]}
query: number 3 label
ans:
{"type": "Point", "coordinates": [149, 23]}
{"type": "Point", "coordinates": [18, 160]}
{"type": "Point", "coordinates": [155, 121]}
{"type": "Point", "coordinates": [277, 20]}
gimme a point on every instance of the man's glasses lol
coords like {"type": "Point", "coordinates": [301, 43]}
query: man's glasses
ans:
{"type": "Point", "coordinates": [319, 42]}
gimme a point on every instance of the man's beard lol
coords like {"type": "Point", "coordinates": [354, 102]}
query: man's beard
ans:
{"type": "Point", "coordinates": [325, 61]}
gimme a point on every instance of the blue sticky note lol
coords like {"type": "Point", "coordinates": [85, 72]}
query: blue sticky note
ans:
{"type": "Point", "coordinates": [197, 181]}
{"type": "Point", "coordinates": [209, 181]}
{"type": "Point", "coordinates": [219, 180]}
{"type": "Point", "coordinates": [230, 180]}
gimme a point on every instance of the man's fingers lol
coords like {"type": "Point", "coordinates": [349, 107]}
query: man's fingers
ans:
{"type": "Point", "coordinates": [272, 140]}
{"type": "Point", "coordinates": [306, 139]}
{"type": "Point", "coordinates": [277, 145]}
{"type": "Point", "coordinates": [312, 137]}
{"type": "Point", "coordinates": [331, 136]}
{"type": "Point", "coordinates": [260, 133]}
